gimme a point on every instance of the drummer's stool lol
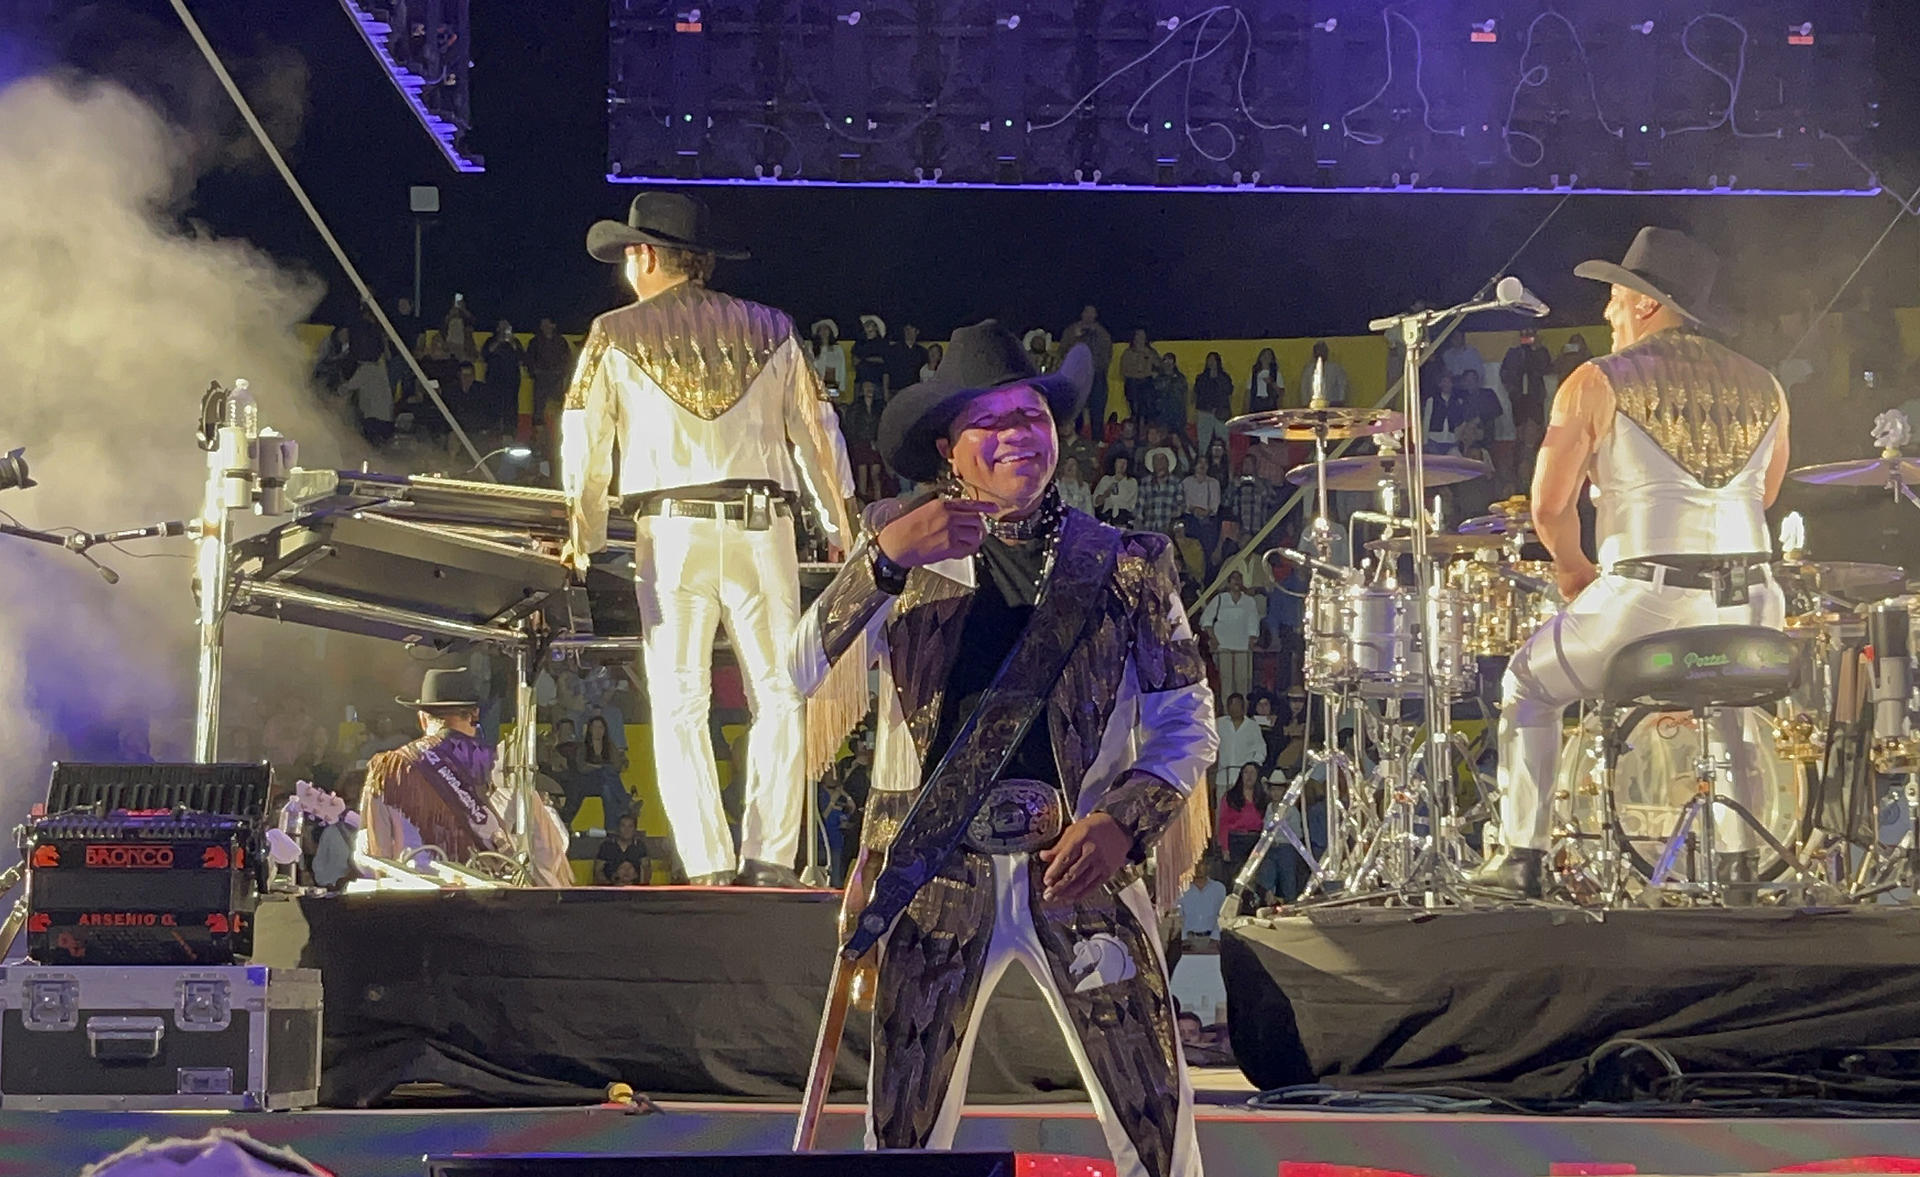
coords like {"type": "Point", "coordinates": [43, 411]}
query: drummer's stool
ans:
{"type": "Point", "coordinates": [1706, 670]}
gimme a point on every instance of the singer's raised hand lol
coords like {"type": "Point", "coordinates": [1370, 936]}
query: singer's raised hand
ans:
{"type": "Point", "coordinates": [938, 529]}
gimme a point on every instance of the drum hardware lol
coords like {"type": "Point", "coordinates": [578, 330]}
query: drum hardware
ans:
{"type": "Point", "coordinates": [1897, 755]}
{"type": "Point", "coordinates": [1800, 738]}
{"type": "Point", "coordinates": [1392, 643]}
{"type": "Point", "coordinates": [1510, 516]}
{"type": "Point", "coordinates": [1275, 828]}
{"type": "Point", "coordinates": [1710, 672]}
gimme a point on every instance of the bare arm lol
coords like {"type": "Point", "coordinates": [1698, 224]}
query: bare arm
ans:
{"type": "Point", "coordinates": [1582, 410]}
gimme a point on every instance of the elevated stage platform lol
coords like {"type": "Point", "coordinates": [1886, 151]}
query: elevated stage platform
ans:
{"type": "Point", "coordinates": [707, 1000]}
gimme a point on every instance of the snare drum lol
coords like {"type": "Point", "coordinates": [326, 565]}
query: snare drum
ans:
{"type": "Point", "coordinates": [1366, 640]}
{"type": "Point", "coordinates": [1501, 615]}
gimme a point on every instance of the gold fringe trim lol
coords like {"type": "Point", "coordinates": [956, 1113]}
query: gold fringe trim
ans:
{"type": "Point", "coordinates": [1179, 849]}
{"type": "Point", "coordinates": [836, 707]}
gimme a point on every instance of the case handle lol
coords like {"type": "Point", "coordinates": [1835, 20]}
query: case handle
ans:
{"type": "Point", "coordinates": [125, 1040]}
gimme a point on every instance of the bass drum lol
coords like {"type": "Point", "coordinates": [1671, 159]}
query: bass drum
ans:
{"type": "Point", "coordinates": [1654, 781]}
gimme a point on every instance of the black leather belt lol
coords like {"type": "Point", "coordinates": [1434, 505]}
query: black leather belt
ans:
{"type": "Point", "coordinates": [1728, 578]}
{"type": "Point", "coordinates": [718, 500]}
{"type": "Point", "coordinates": [698, 509]}
{"type": "Point", "coordinates": [1690, 572]}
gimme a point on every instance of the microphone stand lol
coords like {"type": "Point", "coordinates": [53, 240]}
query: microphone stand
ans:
{"type": "Point", "coordinates": [79, 542]}
{"type": "Point", "coordinates": [1414, 332]}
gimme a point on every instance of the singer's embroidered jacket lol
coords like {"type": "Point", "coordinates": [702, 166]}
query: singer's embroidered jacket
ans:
{"type": "Point", "coordinates": [1131, 720]}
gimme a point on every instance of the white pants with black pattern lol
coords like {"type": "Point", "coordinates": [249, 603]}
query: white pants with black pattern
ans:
{"type": "Point", "coordinates": [1016, 940]}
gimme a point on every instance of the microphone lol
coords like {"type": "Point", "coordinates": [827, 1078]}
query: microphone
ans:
{"type": "Point", "coordinates": [1887, 634]}
{"type": "Point", "coordinates": [82, 542]}
{"type": "Point", "coordinates": [1282, 560]}
{"type": "Point", "coordinates": [1514, 295]}
{"type": "Point", "coordinates": [13, 470]}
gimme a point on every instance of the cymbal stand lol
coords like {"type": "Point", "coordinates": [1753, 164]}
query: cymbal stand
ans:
{"type": "Point", "coordinates": [1437, 872]}
{"type": "Point", "coordinates": [1320, 541]}
{"type": "Point", "coordinates": [1276, 829]}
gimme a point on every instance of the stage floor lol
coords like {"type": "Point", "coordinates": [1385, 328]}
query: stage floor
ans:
{"type": "Point", "coordinates": [1235, 1142]}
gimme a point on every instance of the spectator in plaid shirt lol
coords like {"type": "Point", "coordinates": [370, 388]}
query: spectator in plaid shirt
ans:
{"type": "Point", "coordinates": [1161, 495]}
{"type": "Point", "coordinates": [1250, 499]}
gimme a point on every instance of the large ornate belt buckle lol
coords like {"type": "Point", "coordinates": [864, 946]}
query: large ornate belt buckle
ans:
{"type": "Point", "coordinates": [1017, 817]}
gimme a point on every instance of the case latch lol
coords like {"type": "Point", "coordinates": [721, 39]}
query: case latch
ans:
{"type": "Point", "coordinates": [202, 1004]}
{"type": "Point", "coordinates": [53, 1003]}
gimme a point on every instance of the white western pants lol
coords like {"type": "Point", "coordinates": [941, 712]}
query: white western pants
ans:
{"type": "Point", "coordinates": [1564, 661]}
{"type": "Point", "coordinates": [1236, 674]}
{"type": "Point", "coordinates": [692, 575]}
{"type": "Point", "coordinates": [1013, 940]}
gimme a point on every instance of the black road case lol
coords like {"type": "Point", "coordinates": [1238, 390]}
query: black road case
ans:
{"type": "Point", "coordinates": [159, 1037]}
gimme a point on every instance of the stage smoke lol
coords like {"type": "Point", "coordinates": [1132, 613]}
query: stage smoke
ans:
{"type": "Point", "coordinates": [115, 320]}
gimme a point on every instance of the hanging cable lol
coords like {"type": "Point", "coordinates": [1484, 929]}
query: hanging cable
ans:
{"type": "Point", "coordinates": [1367, 138]}
{"type": "Point", "coordinates": [1537, 77]}
{"type": "Point", "coordinates": [326, 234]}
{"type": "Point", "coordinates": [1906, 207]}
{"type": "Point", "coordinates": [1188, 63]}
{"type": "Point", "coordinates": [1873, 177]}
{"type": "Point", "coordinates": [1731, 117]}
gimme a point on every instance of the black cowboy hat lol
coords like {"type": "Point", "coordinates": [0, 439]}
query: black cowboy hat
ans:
{"type": "Point", "coordinates": [1667, 265]}
{"type": "Point", "coordinates": [979, 359]}
{"type": "Point", "coordinates": [659, 218]}
{"type": "Point", "coordinates": [444, 689]}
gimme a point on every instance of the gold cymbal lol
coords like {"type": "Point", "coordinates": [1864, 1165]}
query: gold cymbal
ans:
{"type": "Point", "coordinates": [1508, 516]}
{"type": "Point", "coordinates": [1329, 423]}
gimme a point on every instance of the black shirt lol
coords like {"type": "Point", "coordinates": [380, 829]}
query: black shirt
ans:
{"type": "Point", "coordinates": [1009, 583]}
{"type": "Point", "coordinates": [904, 362]}
{"type": "Point", "coordinates": [870, 362]}
{"type": "Point", "coordinates": [612, 855]}
{"type": "Point", "coordinates": [1213, 393]}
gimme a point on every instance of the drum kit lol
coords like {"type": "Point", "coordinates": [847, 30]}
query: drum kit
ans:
{"type": "Point", "coordinates": [1387, 645]}
{"type": "Point", "coordinates": [1413, 630]}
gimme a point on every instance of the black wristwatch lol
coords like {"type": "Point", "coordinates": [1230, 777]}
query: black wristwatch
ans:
{"type": "Point", "coordinates": [889, 577]}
